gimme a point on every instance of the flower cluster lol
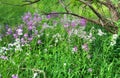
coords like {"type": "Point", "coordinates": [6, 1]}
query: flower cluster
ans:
{"type": "Point", "coordinates": [23, 34]}
{"type": "Point", "coordinates": [113, 40]}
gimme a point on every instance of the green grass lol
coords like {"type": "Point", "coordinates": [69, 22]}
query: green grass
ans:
{"type": "Point", "coordinates": [51, 59]}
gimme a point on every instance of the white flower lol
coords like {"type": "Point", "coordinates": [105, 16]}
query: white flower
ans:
{"type": "Point", "coordinates": [56, 40]}
{"type": "Point", "coordinates": [64, 64]}
{"type": "Point", "coordinates": [10, 45]}
{"type": "Point", "coordinates": [18, 48]}
{"type": "Point", "coordinates": [75, 31]}
{"type": "Point", "coordinates": [90, 70]}
{"type": "Point", "coordinates": [1, 50]}
{"type": "Point", "coordinates": [113, 40]}
{"type": "Point", "coordinates": [19, 31]}
{"type": "Point", "coordinates": [74, 49]}
{"type": "Point", "coordinates": [17, 40]}
{"type": "Point", "coordinates": [114, 36]}
{"type": "Point", "coordinates": [100, 33]}
{"type": "Point", "coordinates": [38, 36]}
{"type": "Point", "coordinates": [35, 75]}
{"type": "Point", "coordinates": [45, 50]}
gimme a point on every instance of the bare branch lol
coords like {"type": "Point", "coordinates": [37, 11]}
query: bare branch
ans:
{"type": "Point", "coordinates": [32, 2]}
{"type": "Point", "coordinates": [112, 8]}
{"type": "Point", "coordinates": [76, 15]}
{"type": "Point", "coordinates": [92, 8]}
{"type": "Point", "coordinates": [28, 3]}
{"type": "Point", "coordinates": [108, 26]}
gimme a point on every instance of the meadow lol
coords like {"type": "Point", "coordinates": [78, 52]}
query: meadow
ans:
{"type": "Point", "coordinates": [34, 45]}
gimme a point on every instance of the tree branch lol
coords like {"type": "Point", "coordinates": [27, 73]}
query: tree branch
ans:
{"type": "Point", "coordinates": [92, 8]}
{"type": "Point", "coordinates": [28, 3]}
{"type": "Point", "coordinates": [111, 26]}
{"type": "Point", "coordinates": [76, 15]}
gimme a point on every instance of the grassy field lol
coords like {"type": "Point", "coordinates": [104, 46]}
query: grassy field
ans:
{"type": "Point", "coordinates": [33, 45]}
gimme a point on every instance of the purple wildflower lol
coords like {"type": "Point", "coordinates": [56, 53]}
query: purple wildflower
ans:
{"type": "Point", "coordinates": [74, 49]}
{"type": "Point", "coordinates": [30, 27]}
{"type": "Point", "coordinates": [85, 47]}
{"type": "Point", "coordinates": [15, 35]}
{"type": "Point", "coordinates": [83, 22]}
{"type": "Point", "coordinates": [37, 18]}
{"type": "Point", "coordinates": [48, 16]}
{"type": "Point", "coordinates": [20, 27]}
{"type": "Point", "coordinates": [25, 35]}
{"type": "Point", "coordinates": [66, 25]}
{"type": "Point", "coordinates": [36, 32]}
{"type": "Point", "coordinates": [9, 31]}
{"type": "Point", "coordinates": [30, 38]}
{"type": "Point", "coordinates": [4, 57]}
{"type": "Point", "coordinates": [22, 40]}
{"type": "Point", "coordinates": [14, 76]}
{"type": "Point", "coordinates": [39, 42]}
{"type": "Point", "coordinates": [19, 31]}
{"type": "Point", "coordinates": [6, 27]}
{"type": "Point", "coordinates": [69, 32]}
{"type": "Point", "coordinates": [27, 16]}
{"type": "Point", "coordinates": [73, 23]}
{"type": "Point", "coordinates": [30, 23]}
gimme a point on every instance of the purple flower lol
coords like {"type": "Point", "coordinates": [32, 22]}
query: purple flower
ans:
{"type": "Point", "coordinates": [36, 15]}
{"type": "Point", "coordinates": [22, 40]}
{"type": "Point", "coordinates": [6, 27]}
{"type": "Point", "coordinates": [19, 31]}
{"type": "Point", "coordinates": [83, 22]}
{"type": "Point", "coordinates": [85, 47]}
{"type": "Point", "coordinates": [14, 76]}
{"type": "Point", "coordinates": [74, 49]}
{"type": "Point", "coordinates": [4, 57]}
{"type": "Point", "coordinates": [15, 35]}
{"type": "Point", "coordinates": [9, 31]}
{"type": "Point", "coordinates": [20, 27]}
{"type": "Point", "coordinates": [27, 16]}
{"type": "Point", "coordinates": [30, 38]}
{"type": "Point", "coordinates": [39, 42]}
{"type": "Point", "coordinates": [25, 35]}
{"type": "Point", "coordinates": [48, 16]}
{"type": "Point", "coordinates": [30, 27]}
{"type": "Point", "coordinates": [73, 23]}
{"type": "Point", "coordinates": [36, 32]}
{"type": "Point", "coordinates": [37, 18]}
{"type": "Point", "coordinates": [66, 25]}
{"type": "Point", "coordinates": [30, 23]}
{"type": "Point", "coordinates": [69, 32]}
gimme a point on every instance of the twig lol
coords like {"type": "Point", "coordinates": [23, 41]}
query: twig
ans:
{"type": "Point", "coordinates": [29, 3]}
{"type": "Point", "coordinates": [76, 15]}
{"type": "Point", "coordinates": [91, 7]}
{"type": "Point", "coordinates": [90, 20]}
